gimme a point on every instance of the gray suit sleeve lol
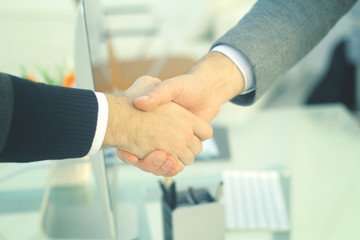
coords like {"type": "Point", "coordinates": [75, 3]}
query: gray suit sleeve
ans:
{"type": "Point", "coordinates": [276, 34]}
{"type": "Point", "coordinates": [6, 108]}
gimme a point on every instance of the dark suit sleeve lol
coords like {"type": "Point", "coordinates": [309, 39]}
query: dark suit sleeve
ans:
{"type": "Point", "coordinates": [46, 122]}
{"type": "Point", "coordinates": [6, 106]}
{"type": "Point", "coordinates": [276, 34]}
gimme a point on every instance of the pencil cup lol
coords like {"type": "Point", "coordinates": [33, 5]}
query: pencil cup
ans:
{"type": "Point", "coordinates": [202, 219]}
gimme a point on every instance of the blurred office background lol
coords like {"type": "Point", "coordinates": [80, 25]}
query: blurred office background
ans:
{"type": "Point", "coordinates": [40, 35]}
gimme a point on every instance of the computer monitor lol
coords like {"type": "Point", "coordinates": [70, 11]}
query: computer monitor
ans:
{"type": "Point", "coordinates": [77, 202]}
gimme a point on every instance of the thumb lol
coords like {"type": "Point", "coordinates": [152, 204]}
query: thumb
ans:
{"type": "Point", "coordinates": [165, 92]}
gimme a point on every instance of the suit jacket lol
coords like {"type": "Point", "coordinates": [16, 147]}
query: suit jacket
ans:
{"type": "Point", "coordinates": [39, 121]}
{"type": "Point", "coordinates": [276, 34]}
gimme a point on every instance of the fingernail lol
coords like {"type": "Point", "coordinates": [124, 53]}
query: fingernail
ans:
{"type": "Point", "coordinates": [167, 165]}
{"type": "Point", "coordinates": [172, 172]}
{"type": "Point", "coordinates": [158, 160]}
{"type": "Point", "coordinates": [146, 97]}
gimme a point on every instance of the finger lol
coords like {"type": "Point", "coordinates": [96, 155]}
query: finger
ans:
{"type": "Point", "coordinates": [148, 81]}
{"type": "Point", "coordinates": [195, 146]}
{"type": "Point", "coordinates": [172, 166]}
{"type": "Point", "coordinates": [176, 169]}
{"type": "Point", "coordinates": [168, 166]}
{"type": "Point", "coordinates": [173, 172]}
{"type": "Point", "coordinates": [208, 113]}
{"type": "Point", "coordinates": [179, 163]}
{"type": "Point", "coordinates": [141, 86]}
{"type": "Point", "coordinates": [165, 92]}
{"type": "Point", "coordinates": [153, 161]}
{"type": "Point", "coordinates": [186, 156]}
{"type": "Point", "coordinates": [202, 129]}
{"type": "Point", "coordinates": [127, 157]}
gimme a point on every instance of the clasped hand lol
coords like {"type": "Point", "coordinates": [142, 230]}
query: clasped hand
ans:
{"type": "Point", "coordinates": [169, 135]}
{"type": "Point", "coordinates": [211, 82]}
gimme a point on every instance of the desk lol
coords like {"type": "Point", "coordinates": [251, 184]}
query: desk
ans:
{"type": "Point", "coordinates": [320, 145]}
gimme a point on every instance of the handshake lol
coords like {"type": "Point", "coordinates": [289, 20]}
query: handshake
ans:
{"type": "Point", "coordinates": [158, 126]}
{"type": "Point", "coordinates": [161, 140]}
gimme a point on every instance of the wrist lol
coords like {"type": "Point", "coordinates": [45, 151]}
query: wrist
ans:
{"type": "Point", "coordinates": [119, 116]}
{"type": "Point", "coordinates": [220, 76]}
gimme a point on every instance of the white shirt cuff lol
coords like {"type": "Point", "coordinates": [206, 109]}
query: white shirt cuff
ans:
{"type": "Point", "coordinates": [242, 64]}
{"type": "Point", "coordinates": [102, 119]}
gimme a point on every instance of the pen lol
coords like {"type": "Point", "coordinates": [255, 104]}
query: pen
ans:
{"type": "Point", "coordinates": [219, 191]}
{"type": "Point", "coordinates": [192, 194]}
{"type": "Point", "coordinates": [169, 189]}
{"type": "Point", "coordinates": [173, 195]}
{"type": "Point", "coordinates": [164, 190]}
{"type": "Point", "coordinates": [168, 181]}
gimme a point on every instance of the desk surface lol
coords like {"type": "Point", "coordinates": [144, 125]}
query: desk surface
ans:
{"type": "Point", "coordinates": [320, 146]}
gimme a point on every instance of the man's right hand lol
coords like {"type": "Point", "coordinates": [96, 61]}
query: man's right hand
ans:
{"type": "Point", "coordinates": [212, 82]}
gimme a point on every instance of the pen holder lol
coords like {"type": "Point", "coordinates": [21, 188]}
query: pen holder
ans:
{"type": "Point", "coordinates": [203, 219]}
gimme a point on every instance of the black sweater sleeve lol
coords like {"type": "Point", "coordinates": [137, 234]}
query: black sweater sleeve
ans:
{"type": "Point", "coordinates": [47, 122]}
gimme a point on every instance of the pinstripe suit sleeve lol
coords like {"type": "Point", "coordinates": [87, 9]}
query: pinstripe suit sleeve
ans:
{"type": "Point", "coordinates": [6, 106]}
{"type": "Point", "coordinates": [276, 34]}
{"type": "Point", "coordinates": [40, 122]}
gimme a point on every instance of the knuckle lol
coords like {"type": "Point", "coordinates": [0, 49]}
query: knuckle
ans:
{"type": "Point", "coordinates": [207, 132]}
{"type": "Point", "coordinates": [188, 136]}
{"type": "Point", "coordinates": [199, 149]}
{"type": "Point", "coordinates": [210, 132]}
{"type": "Point", "coordinates": [145, 78]}
{"type": "Point", "coordinates": [189, 160]}
{"type": "Point", "coordinates": [179, 146]}
{"type": "Point", "coordinates": [149, 80]}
